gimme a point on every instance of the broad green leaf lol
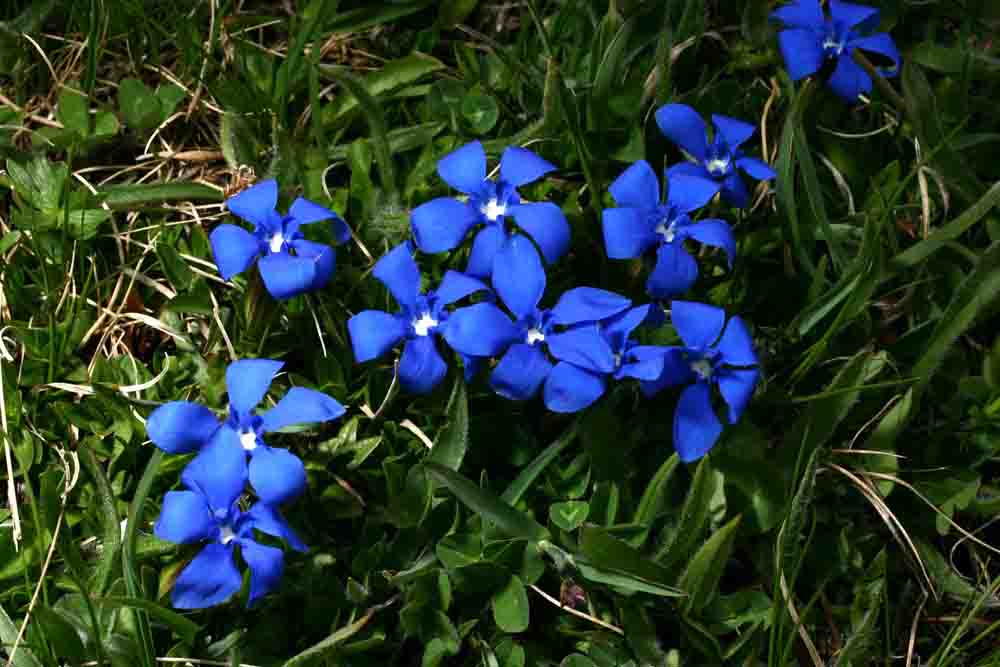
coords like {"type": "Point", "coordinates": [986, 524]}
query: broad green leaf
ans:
{"type": "Point", "coordinates": [134, 196]}
{"type": "Point", "coordinates": [139, 105]}
{"type": "Point", "coordinates": [453, 439]}
{"type": "Point", "coordinates": [60, 635]}
{"type": "Point", "coordinates": [8, 635]}
{"type": "Point", "coordinates": [531, 472]}
{"type": "Point", "coordinates": [480, 112]}
{"type": "Point", "coordinates": [701, 576]}
{"type": "Point", "coordinates": [569, 515]}
{"type": "Point", "coordinates": [73, 111]}
{"type": "Point", "coordinates": [613, 556]}
{"type": "Point", "coordinates": [184, 627]}
{"type": "Point", "coordinates": [84, 224]}
{"type": "Point", "coordinates": [395, 75]}
{"type": "Point", "coordinates": [510, 606]}
{"type": "Point", "coordinates": [694, 515]}
{"type": "Point", "coordinates": [654, 498]}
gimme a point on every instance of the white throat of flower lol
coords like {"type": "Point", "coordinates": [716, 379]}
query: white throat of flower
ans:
{"type": "Point", "coordinates": [276, 242]}
{"type": "Point", "coordinates": [249, 440]}
{"type": "Point", "coordinates": [666, 231]}
{"type": "Point", "coordinates": [493, 210]}
{"type": "Point", "coordinates": [831, 44]}
{"type": "Point", "coordinates": [226, 534]}
{"type": "Point", "coordinates": [424, 324]}
{"type": "Point", "coordinates": [534, 336]}
{"type": "Point", "coordinates": [717, 165]}
{"type": "Point", "coordinates": [702, 368]}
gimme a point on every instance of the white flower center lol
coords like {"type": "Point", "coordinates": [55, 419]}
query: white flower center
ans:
{"type": "Point", "coordinates": [831, 44]}
{"type": "Point", "coordinates": [618, 359]}
{"type": "Point", "coordinates": [226, 534]}
{"type": "Point", "coordinates": [702, 368]}
{"type": "Point", "coordinates": [423, 326]}
{"type": "Point", "coordinates": [534, 336]}
{"type": "Point", "coordinates": [276, 242]}
{"type": "Point", "coordinates": [717, 165]}
{"type": "Point", "coordinates": [493, 210]}
{"type": "Point", "coordinates": [666, 231]}
{"type": "Point", "coordinates": [249, 440]}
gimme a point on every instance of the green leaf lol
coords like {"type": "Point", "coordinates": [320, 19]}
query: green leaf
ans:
{"type": "Point", "coordinates": [531, 472]}
{"type": "Point", "coordinates": [577, 660]}
{"type": "Point", "coordinates": [139, 106]}
{"type": "Point", "coordinates": [616, 557]}
{"type": "Point", "coordinates": [328, 647]}
{"type": "Point", "coordinates": [174, 268]}
{"type": "Point", "coordinates": [654, 498]}
{"type": "Point", "coordinates": [701, 577]}
{"type": "Point", "coordinates": [451, 12]}
{"type": "Point", "coordinates": [694, 516]}
{"type": "Point", "coordinates": [8, 635]}
{"type": "Point", "coordinates": [489, 506]}
{"type": "Point", "coordinates": [182, 626]}
{"type": "Point", "coordinates": [569, 515]}
{"type": "Point", "coordinates": [395, 75]}
{"type": "Point", "coordinates": [510, 606]}
{"type": "Point", "coordinates": [480, 111]}
{"type": "Point", "coordinates": [83, 224]}
{"type": "Point", "coordinates": [60, 635]}
{"type": "Point", "coordinates": [135, 196]}
{"type": "Point", "coordinates": [72, 111]}
{"type": "Point", "coordinates": [111, 541]}
{"type": "Point", "coordinates": [453, 439]}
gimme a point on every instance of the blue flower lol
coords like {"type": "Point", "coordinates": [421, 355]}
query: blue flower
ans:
{"type": "Point", "coordinates": [642, 222]}
{"type": "Point", "coordinates": [706, 360]}
{"type": "Point", "coordinates": [208, 511]}
{"type": "Point", "coordinates": [276, 475]}
{"type": "Point", "coordinates": [525, 367]}
{"type": "Point", "coordinates": [813, 40]}
{"type": "Point", "coordinates": [721, 159]}
{"type": "Point", "coordinates": [443, 223]}
{"type": "Point", "coordinates": [288, 263]}
{"type": "Point", "coordinates": [480, 330]}
{"type": "Point", "coordinates": [591, 353]}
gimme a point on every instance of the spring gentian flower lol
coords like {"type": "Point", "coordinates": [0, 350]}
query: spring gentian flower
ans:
{"type": "Point", "coordinates": [813, 40]}
{"type": "Point", "coordinates": [442, 224]}
{"type": "Point", "coordinates": [706, 360]}
{"type": "Point", "coordinates": [721, 159]}
{"type": "Point", "coordinates": [208, 511]}
{"type": "Point", "coordinates": [480, 330]}
{"type": "Point", "coordinates": [276, 475]}
{"type": "Point", "coordinates": [642, 222]}
{"type": "Point", "coordinates": [524, 367]}
{"type": "Point", "coordinates": [288, 263]}
{"type": "Point", "coordinates": [592, 353]}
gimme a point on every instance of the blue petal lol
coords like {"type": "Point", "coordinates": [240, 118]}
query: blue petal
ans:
{"type": "Point", "coordinates": [698, 324]}
{"type": "Point", "coordinates": [583, 346]}
{"type": "Point", "coordinates": [716, 233]}
{"type": "Point", "coordinates": [484, 249]}
{"type": "Point", "coordinates": [683, 126]}
{"type": "Point", "coordinates": [800, 14]}
{"type": "Point", "coordinates": [850, 15]}
{"type": "Point", "coordinates": [546, 223]}
{"type": "Point", "coordinates": [480, 330]}
{"type": "Point", "coordinates": [286, 276]}
{"type": "Point", "coordinates": [519, 166]}
{"type": "Point", "coordinates": [247, 380]}
{"type": "Point", "coordinates": [276, 475]}
{"type": "Point", "coordinates": [736, 345]}
{"type": "Point", "coordinates": [674, 273]}
{"type": "Point", "coordinates": [757, 169]}
{"type": "Point", "coordinates": [676, 372]}
{"type": "Point", "coordinates": [647, 362]}
{"type": "Point", "coordinates": [518, 276]}
{"type": "Point", "coordinates": [255, 204]}
{"type": "Point", "coordinates": [689, 193]}
{"type": "Point", "coordinates": [520, 372]}
{"type": "Point", "coordinates": [696, 428]}
{"type": "Point", "coordinates": [587, 304]}
{"type": "Point", "coordinates": [733, 130]}
{"type": "Point", "coordinates": [620, 327]}
{"type": "Point", "coordinates": [219, 471]}
{"type": "Point", "coordinates": [301, 406]}
{"type": "Point", "coordinates": [179, 427]}
{"type": "Point", "coordinates": [802, 50]}
{"type": "Point", "coordinates": [307, 212]}
{"type": "Point", "coordinates": [373, 333]}
{"type": "Point", "coordinates": [185, 518]}
{"type": "Point", "coordinates": [268, 520]}
{"type": "Point", "coordinates": [266, 564]}
{"type": "Point", "coordinates": [400, 274]}
{"type": "Point", "coordinates": [234, 249]}
{"type": "Point", "coordinates": [637, 187]}
{"type": "Point", "coordinates": [690, 169]}
{"type": "Point", "coordinates": [882, 44]}
{"type": "Point", "coordinates": [210, 579]}
{"type": "Point", "coordinates": [627, 232]}
{"type": "Point", "coordinates": [421, 367]}
{"type": "Point", "coordinates": [455, 286]}
{"type": "Point", "coordinates": [464, 168]}
{"type": "Point", "coordinates": [571, 389]}
{"type": "Point", "coordinates": [737, 389]}
{"type": "Point", "coordinates": [734, 190]}
{"type": "Point", "coordinates": [324, 257]}
{"type": "Point", "coordinates": [849, 79]}
{"type": "Point", "coordinates": [442, 224]}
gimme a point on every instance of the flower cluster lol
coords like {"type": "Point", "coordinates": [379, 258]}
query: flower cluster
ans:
{"type": "Point", "coordinates": [208, 510]}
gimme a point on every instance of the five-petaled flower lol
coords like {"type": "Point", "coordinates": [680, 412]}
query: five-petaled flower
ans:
{"type": "Point", "coordinates": [479, 330]}
{"type": "Point", "coordinates": [709, 357]}
{"type": "Point", "coordinates": [443, 223]}
{"type": "Point", "coordinates": [276, 475]}
{"type": "Point", "coordinates": [720, 160]}
{"type": "Point", "coordinates": [812, 40]}
{"type": "Point", "coordinates": [642, 222]}
{"type": "Point", "coordinates": [208, 511]}
{"type": "Point", "coordinates": [289, 264]}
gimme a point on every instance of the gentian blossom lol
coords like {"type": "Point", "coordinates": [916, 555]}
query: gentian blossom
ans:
{"type": "Point", "coordinates": [443, 223]}
{"type": "Point", "coordinates": [813, 40]}
{"type": "Point", "coordinates": [710, 357]}
{"type": "Point", "coordinates": [642, 222]}
{"type": "Point", "coordinates": [721, 159]}
{"type": "Point", "coordinates": [208, 511]}
{"type": "Point", "coordinates": [479, 330]}
{"type": "Point", "coordinates": [525, 367]}
{"type": "Point", "coordinates": [276, 475]}
{"type": "Point", "coordinates": [289, 264]}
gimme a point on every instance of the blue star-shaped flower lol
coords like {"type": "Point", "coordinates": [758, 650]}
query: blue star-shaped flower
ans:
{"type": "Point", "coordinates": [208, 511]}
{"type": "Point", "coordinates": [710, 357]}
{"type": "Point", "coordinates": [276, 475]}
{"type": "Point", "coordinates": [641, 222]}
{"type": "Point", "coordinates": [479, 330]}
{"type": "Point", "coordinates": [289, 264]}
{"type": "Point", "coordinates": [443, 223]}
{"type": "Point", "coordinates": [720, 160]}
{"type": "Point", "coordinates": [813, 39]}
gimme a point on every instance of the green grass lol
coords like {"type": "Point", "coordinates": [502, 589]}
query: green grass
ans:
{"type": "Point", "coordinates": [849, 519]}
